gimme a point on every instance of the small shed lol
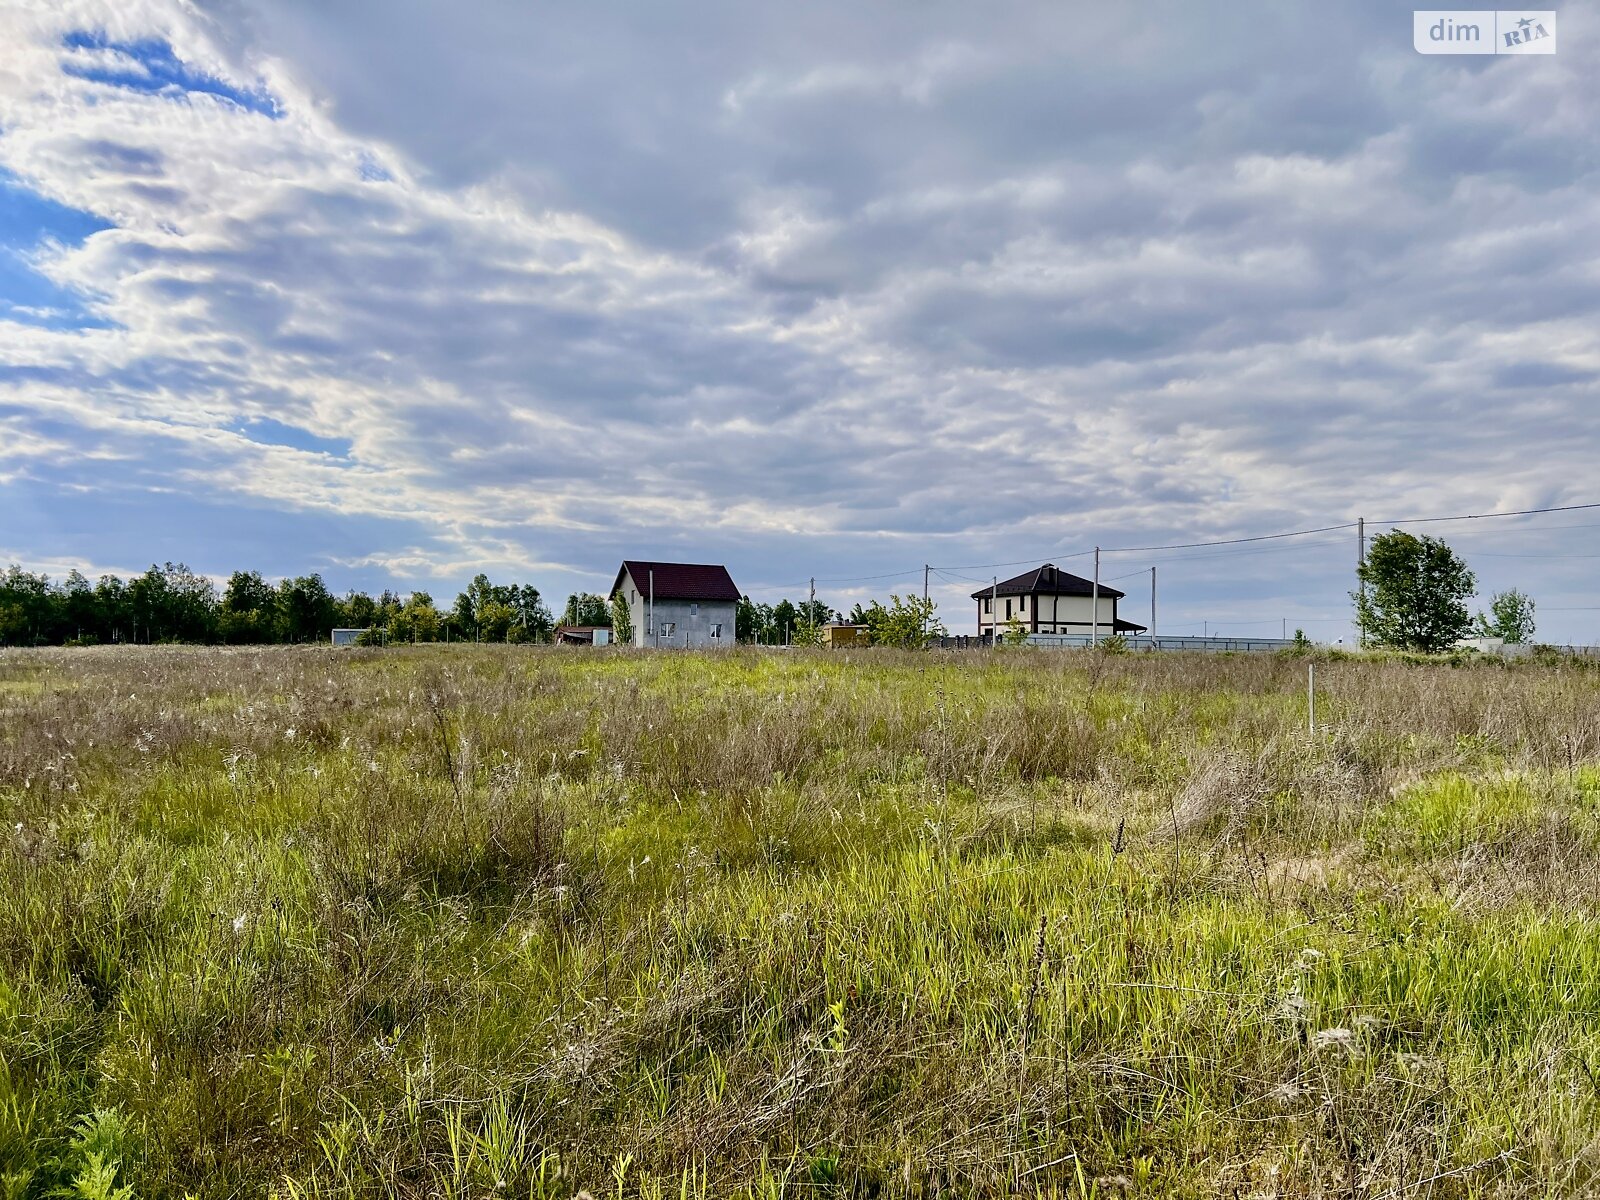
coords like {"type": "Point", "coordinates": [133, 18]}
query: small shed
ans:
{"type": "Point", "coordinates": [583, 635]}
{"type": "Point", "coordinates": [838, 635]}
{"type": "Point", "coordinates": [347, 637]}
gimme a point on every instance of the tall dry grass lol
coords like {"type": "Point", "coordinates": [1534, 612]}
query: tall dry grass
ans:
{"type": "Point", "coordinates": [468, 921]}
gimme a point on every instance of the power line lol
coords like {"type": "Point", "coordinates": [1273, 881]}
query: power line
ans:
{"type": "Point", "coordinates": [1264, 537]}
{"type": "Point", "coordinates": [953, 570]}
{"type": "Point", "coordinates": [1490, 554]}
{"type": "Point", "coordinates": [1521, 512]}
{"type": "Point", "coordinates": [1021, 562]}
{"type": "Point", "coordinates": [1293, 533]}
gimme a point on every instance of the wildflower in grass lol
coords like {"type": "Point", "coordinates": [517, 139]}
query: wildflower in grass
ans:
{"type": "Point", "coordinates": [1309, 957]}
{"type": "Point", "coordinates": [1336, 1038]}
{"type": "Point", "coordinates": [1292, 1008]}
{"type": "Point", "coordinates": [1286, 1095]}
{"type": "Point", "coordinates": [239, 923]}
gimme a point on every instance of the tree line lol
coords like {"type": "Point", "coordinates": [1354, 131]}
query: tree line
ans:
{"type": "Point", "coordinates": [171, 603]}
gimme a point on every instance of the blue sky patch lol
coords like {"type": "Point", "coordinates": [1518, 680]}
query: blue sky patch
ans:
{"type": "Point", "coordinates": [28, 221]}
{"type": "Point", "coordinates": [157, 70]}
{"type": "Point", "coordinates": [267, 432]}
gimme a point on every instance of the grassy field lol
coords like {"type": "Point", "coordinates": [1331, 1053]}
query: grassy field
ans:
{"type": "Point", "coordinates": [462, 921]}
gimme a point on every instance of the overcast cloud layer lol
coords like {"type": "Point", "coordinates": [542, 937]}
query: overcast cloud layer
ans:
{"type": "Point", "coordinates": [404, 291]}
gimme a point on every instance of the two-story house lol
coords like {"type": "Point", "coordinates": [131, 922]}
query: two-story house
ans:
{"type": "Point", "coordinates": [1049, 600]}
{"type": "Point", "coordinates": [678, 604]}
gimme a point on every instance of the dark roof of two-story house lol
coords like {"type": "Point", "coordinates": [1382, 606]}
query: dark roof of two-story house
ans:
{"type": "Point", "coordinates": [1048, 580]}
{"type": "Point", "coordinates": [678, 581]}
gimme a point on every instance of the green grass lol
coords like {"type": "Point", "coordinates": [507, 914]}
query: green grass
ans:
{"type": "Point", "coordinates": [487, 921]}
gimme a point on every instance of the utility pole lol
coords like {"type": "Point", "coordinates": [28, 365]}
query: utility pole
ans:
{"type": "Point", "coordinates": [923, 624]}
{"type": "Point", "coordinates": [1361, 586]}
{"type": "Point", "coordinates": [654, 640]}
{"type": "Point", "coordinates": [1094, 637]}
{"type": "Point", "coordinates": [994, 611]}
{"type": "Point", "coordinates": [1152, 608]}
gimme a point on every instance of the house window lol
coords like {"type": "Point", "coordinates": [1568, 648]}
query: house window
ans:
{"type": "Point", "coordinates": [1008, 608]}
{"type": "Point", "coordinates": [667, 627]}
{"type": "Point", "coordinates": [988, 605]}
{"type": "Point", "coordinates": [716, 629]}
{"type": "Point", "coordinates": [694, 610]}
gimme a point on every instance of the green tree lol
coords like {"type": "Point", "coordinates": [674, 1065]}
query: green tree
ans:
{"type": "Point", "coordinates": [813, 612]}
{"type": "Point", "coordinates": [746, 620]}
{"type": "Point", "coordinates": [1510, 618]}
{"type": "Point", "coordinates": [480, 612]}
{"type": "Point", "coordinates": [249, 610]}
{"type": "Point", "coordinates": [357, 610]}
{"type": "Point", "coordinates": [116, 613]}
{"type": "Point", "coordinates": [1016, 633]}
{"type": "Point", "coordinates": [585, 608]}
{"type": "Point", "coordinates": [172, 604]}
{"type": "Point", "coordinates": [908, 622]}
{"type": "Point", "coordinates": [783, 621]}
{"type": "Point", "coordinates": [79, 610]}
{"type": "Point", "coordinates": [307, 609]}
{"type": "Point", "coordinates": [622, 620]}
{"type": "Point", "coordinates": [497, 619]}
{"type": "Point", "coordinates": [533, 622]}
{"type": "Point", "coordinates": [417, 621]}
{"type": "Point", "coordinates": [1414, 593]}
{"type": "Point", "coordinates": [27, 607]}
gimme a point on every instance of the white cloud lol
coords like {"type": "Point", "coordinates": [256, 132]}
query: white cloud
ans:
{"type": "Point", "coordinates": [530, 296]}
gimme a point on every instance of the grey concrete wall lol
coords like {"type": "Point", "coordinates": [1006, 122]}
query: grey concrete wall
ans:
{"type": "Point", "coordinates": [690, 622]}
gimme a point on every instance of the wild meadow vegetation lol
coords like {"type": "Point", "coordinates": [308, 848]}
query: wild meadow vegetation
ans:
{"type": "Point", "coordinates": [482, 921]}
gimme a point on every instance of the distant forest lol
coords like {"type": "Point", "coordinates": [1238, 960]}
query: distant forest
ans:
{"type": "Point", "coordinates": [171, 603]}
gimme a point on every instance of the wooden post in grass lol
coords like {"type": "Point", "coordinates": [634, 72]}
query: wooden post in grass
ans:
{"type": "Point", "coordinates": [1311, 698]}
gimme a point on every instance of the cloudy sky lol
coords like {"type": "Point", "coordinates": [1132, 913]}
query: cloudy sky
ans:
{"type": "Point", "coordinates": [403, 291]}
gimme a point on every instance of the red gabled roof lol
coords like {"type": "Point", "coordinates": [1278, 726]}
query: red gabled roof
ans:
{"type": "Point", "coordinates": [679, 581]}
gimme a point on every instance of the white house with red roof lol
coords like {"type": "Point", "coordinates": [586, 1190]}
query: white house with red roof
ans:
{"type": "Point", "coordinates": [678, 604]}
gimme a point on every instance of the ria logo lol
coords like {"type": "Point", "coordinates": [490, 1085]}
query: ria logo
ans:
{"type": "Point", "coordinates": [1484, 31]}
{"type": "Point", "coordinates": [1528, 31]}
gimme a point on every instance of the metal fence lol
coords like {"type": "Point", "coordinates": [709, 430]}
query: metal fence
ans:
{"type": "Point", "coordinates": [1075, 641]}
{"type": "Point", "coordinates": [1068, 641]}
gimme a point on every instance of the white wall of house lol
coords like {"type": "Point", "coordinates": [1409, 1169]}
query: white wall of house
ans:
{"type": "Point", "coordinates": [1064, 614]}
{"type": "Point", "coordinates": [681, 623]}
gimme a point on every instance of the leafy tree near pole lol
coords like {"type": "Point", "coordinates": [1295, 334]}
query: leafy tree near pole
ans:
{"type": "Point", "coordinates": [1415, 593]}
{"type": "Point", "coordinates": [908, 623]}
{"type": "Point", "coordinates": [783, 622]}
{"type": "Point", "coordinates": [746, 620]}
{"type": "Point", "coordinates": [585, 608]}
{"type": "Point", "coordinates": [621, 621]}
{"type": "Point", "coordinates": [1510, 618]}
